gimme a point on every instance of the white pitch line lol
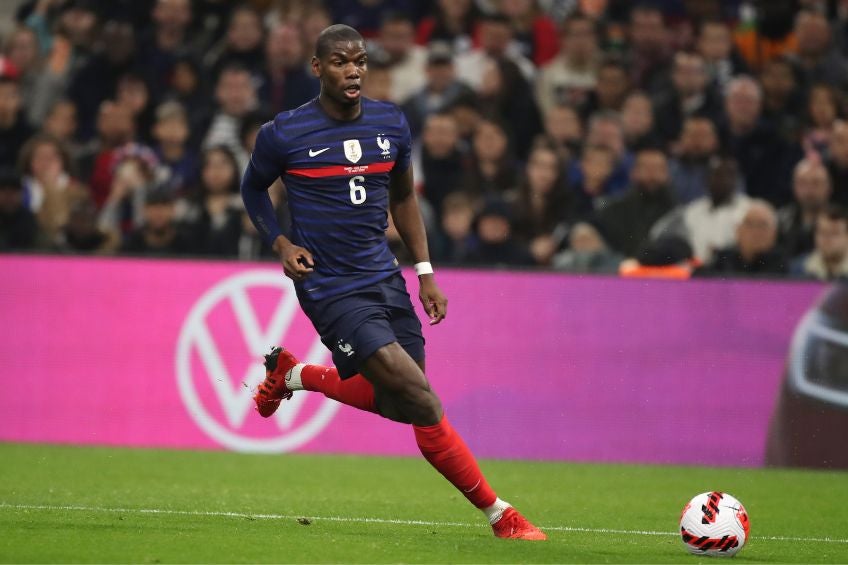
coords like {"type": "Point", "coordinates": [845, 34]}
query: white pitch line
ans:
{"type": "Point", "coordinates": [365, 520]}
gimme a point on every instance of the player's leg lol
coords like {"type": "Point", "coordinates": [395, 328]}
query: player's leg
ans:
{"type": "Point", "coordinates": [401, 381]}
{"type": "Point", "coordinates": [284, 375]}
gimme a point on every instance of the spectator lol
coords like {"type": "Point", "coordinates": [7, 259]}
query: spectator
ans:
{"type": "Point", "coordinates": [493, 169]}
{"type": "Point", "coordinates": [544, 205]}
{"type": "Point", "coordinates": [466, 112]}
{"type": "Point", "coordinates": [506, 96]}
{"type": "Point", "coordinates": [378, 86]}
{"type": "Point", "coordinates": [627, 220]}
{"type": "Point", "coordinates": [160, 233]}
{"type": "Point", "coordinates": [709, 223]}
{"type": "Point", "coordinates": [824, 107]}
{"type": "Point", "coordinates": [811, 189]}
{"type": "Point", "coordinates": [453, 22]}
{"type": "Point", "coordinates": [236, 96]}
{"type": "Point", "coordinates": [440, 91]}
{"type": "Point", "coordinates": [698, 144]}
{"type": "Point", "coordinates": [242, 45]}
{"type": "Point", "coordinates": [133, 180]}
{"type": "Point", "coordinates": [590, 179]}
{"type": "Point", "coordinates": [765, 159]}
{"type": "Point", "coordinates": [132, 93]}
{"type": "Point", "coordinates": [366, 16]}
{"type": "Point", "coordinates": [497, 244]}
{"type": "Point", "coordinates": [667, 257]}
{"type": "Point", "coordinates": [563, 126]}
{"type": "Point", "coordinates": [66, 41]}
{"type": "Point", "coordinates": [766, 33]}
{"type": "Point", "coordinates": [287, 81]}
{"type": "Point", "coordinates": [188, 87]}
{"type": "Point", "coordinates": [115, 128]}
{"type": "Point", "coordinates": [97, 80]}
{"type": "Point", "coordinates": [455, 239]}
{"type": "Point", "coordinates": [61, 123]}
{"type": "Point", "coordinates": [829, 260]}
{"type": "Point", "coordinates": [315, 20]}
{"type": "Point", "coordinates": [443, 162]}
{"type": "Point", "coordinates": [756, 252]}
{"type": "Point", "coordinates": [406, 60]}
{"type": "Point", "coordinates": [606, 130]}
{"type": "Point", "coordinates": [837, 162]}
{"type": "Point", "coordinates": [572, 74]}
{"type": "Point", "coordinates": [49, 189]}
{"type": "Point", "coordinates": [587, 253]}
{"type": "Point", "coordinates": [14, 129]}
{"type": "Point", "coordinates": [165, 42]}
{"type": "Point", "coordinates": [650, 46]}
{"type": "Point", "coordinates": [22, 51]}
{"type": "Point", "coordinates": [216, 216]}
{"type": "Point", "coordinates": [178, 161]}
{"type": "Point", "coordinates": [611, 89]}
{"type": "Point", "coordinates": [815, 55]}
{"type": "Point", "coordinates": [250, 127]}
{"type": "Point", "coordinates": [637, 122]}
{"type": "Point", "coordinates": [82, 234]}
{"type": "Point", "coordinates": [18, 226]}
{"type": "Point", "coordinates": [688, 96]}
{"type": "Point", "coordinates": [535, 33]}
{"type": "Point", "coordinates": [715, 45]}
{"type": "Point", "coordinates": [782, 100]}
{"type": "Point", "coordinates": [496, 43]}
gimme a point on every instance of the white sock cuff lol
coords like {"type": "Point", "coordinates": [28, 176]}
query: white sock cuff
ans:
{"type": "Point", "coordinates": [496, 510]}
{"type": "Point", "coordinates": [293, 381]}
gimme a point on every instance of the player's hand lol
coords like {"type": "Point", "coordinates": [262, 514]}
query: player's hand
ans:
{"type": "Point", "coordinates": [435, 303]}
{"type": "Point", "coordinates": [297, 262]}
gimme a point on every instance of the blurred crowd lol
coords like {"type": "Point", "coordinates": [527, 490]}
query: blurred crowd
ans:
{"type": "Point", "coordinates": [663, 138]}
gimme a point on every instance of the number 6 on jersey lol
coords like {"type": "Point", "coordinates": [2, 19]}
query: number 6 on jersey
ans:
{"type": "Point", "coordinates": [357, 191]}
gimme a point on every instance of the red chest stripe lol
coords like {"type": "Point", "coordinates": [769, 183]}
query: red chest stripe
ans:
{"type": "Point", "coordinates": [343, 170]}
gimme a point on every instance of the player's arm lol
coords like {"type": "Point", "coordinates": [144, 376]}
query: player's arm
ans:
{"type": "Point", "coordinates": [403, 204]}
{"type": "Point", "coordinates": [261, 172]}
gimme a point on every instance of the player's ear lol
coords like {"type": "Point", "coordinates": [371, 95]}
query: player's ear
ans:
{"type": "Point", "coordinates": [316, 66]}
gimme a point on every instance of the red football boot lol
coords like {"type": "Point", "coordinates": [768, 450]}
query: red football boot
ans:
{"type": "Point", "coordinates": [273, 389]}
{"type": "Point", "coordinates": [513, 525]}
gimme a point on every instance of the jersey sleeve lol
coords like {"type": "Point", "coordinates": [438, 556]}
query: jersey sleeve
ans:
{"type": "Point", "coordinates": [404, 146]}
{"type": "Point", "coordinates": [266, 162]}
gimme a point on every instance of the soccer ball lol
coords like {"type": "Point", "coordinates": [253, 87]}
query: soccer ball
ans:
{"type": "Point", "coordinates": [714, 523]}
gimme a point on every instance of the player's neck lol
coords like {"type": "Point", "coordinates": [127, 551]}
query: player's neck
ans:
{"type": "Point", "coordinates": [339, 112]}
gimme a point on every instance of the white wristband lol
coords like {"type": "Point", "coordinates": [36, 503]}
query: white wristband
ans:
{"type": "Point", "coordinates": [423, 268]}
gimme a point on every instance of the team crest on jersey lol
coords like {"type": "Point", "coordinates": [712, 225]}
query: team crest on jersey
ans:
{"type": "Point", "coordinates": [353, 151]}
{"type": "Point", "coordinates": [384, 144]}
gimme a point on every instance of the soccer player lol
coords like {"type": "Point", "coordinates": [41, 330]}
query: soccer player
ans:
{"type": "Point", "coordinates": [345, 161]}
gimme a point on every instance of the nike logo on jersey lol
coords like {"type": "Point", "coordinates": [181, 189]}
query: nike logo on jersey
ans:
{"type": "Point", "coordinates": [315, 153]}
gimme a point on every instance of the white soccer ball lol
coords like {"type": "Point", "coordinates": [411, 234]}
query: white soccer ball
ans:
{"type": "Point", "coordinates": [714, 523]}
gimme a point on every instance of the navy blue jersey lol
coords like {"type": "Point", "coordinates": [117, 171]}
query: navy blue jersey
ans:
{"type": "Point", "coordinates": [337, 180]}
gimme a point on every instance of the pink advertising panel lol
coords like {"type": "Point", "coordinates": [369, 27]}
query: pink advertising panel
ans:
{"type": "Point", "coordinates": [541, 366]}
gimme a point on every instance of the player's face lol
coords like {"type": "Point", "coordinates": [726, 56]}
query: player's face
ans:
{"type": "Point", "coordinates": [342, 72]}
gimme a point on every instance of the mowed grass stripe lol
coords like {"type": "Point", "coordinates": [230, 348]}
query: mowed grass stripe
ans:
{"type": "Point", "coordinates": [371, 520]}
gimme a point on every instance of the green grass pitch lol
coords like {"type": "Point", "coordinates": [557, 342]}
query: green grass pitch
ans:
{"type": "Point", "coordinates": [72, 504]}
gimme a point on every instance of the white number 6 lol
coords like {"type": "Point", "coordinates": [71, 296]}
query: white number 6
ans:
{"type": "Point", "coordinates": [357, 191]}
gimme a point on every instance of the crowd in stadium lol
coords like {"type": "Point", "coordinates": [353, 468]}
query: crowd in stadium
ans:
{"type": "Point", "coordinates": [663, 138]}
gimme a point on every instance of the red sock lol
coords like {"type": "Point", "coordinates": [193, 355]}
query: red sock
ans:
{"type": "Point", "coordinates": [355, 391]}
{"type": "Point", "coordinates": [445, 450]}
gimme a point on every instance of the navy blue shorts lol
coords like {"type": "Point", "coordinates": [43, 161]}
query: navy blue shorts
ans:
{"type": "Point", "coordinates": [354, 325]}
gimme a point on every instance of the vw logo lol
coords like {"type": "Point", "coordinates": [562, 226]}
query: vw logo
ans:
{"type": "Point", "coordinates": [219, 363]}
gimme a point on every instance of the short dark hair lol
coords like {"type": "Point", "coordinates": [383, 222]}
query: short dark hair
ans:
{"type": "Point", "coordinates": [576, 17]}
{"type": "Point", "coordinates": [835, 213]}
{"type": "Point", "coordinates": [332, 35]}
{"type": "Point", "coordinates": [496, 18]}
